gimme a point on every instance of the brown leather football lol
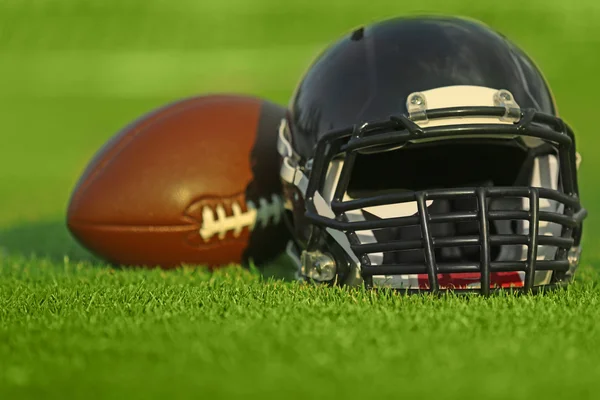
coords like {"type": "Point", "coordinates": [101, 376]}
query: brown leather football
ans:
{"type": "Point", "coordinates": [195, 182]}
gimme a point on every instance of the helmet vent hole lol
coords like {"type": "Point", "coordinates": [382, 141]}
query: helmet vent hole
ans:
{"type": "Point", "coordinates": [358, 34]}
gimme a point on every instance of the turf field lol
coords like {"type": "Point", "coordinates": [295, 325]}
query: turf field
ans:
{"type": "Point", "coordinates": [73, 72]}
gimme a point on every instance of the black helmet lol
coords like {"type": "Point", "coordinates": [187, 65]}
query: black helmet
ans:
{"type": "Point", "coordinates": [425, 153]}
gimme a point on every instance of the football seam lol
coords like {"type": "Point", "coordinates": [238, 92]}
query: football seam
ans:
{"type": "Point", "coordinates": [215, 220]}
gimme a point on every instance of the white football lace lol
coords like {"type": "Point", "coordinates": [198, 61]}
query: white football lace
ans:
{"type": "Point", "coordinates": [223, 223]}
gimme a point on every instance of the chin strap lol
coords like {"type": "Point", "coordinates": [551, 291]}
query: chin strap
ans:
{"type": "Point", "coordinates": [293, 254]}
{"type": "Point", "coordinates": [290, 171]}
{"type": "Point", "coordinates": [313, 264]}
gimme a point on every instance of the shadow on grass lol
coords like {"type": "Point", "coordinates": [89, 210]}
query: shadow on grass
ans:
{"type": "Point", "coordinates": [51, 240]}
{"type": "Point", "coordinates": [46, 239]}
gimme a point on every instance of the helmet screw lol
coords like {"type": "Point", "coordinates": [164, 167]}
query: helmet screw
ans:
{"type": "Point", "coordinates": [505, 96]}
{"type": "Point", "coordinates": [417, 100]}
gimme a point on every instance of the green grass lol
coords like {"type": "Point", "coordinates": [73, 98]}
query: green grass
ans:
{"type": "Point", "coordinates": [74, 72]}
{"type": "Point", "coordinates": [76, 329]}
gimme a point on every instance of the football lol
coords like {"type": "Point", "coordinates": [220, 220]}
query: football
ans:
{"type": "Point", "coordinates": [195, 182]}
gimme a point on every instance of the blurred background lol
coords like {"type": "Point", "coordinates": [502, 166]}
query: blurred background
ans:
{"type": "Point", "coordinates": [73, 72]}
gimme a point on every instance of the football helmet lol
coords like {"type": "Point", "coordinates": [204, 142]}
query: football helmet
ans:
{"type": "Point", "coordinates": [426, 154]}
